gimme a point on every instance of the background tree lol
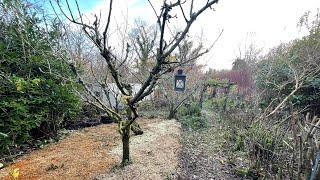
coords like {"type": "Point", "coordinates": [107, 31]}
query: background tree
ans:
{"type": "Point", "coordinates": [143, 39]}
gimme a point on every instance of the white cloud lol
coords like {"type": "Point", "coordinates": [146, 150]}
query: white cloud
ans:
{"type": "Point", "coordinates": [263, 22]}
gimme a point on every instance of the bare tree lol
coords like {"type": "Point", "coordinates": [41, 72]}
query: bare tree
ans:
{"type": "Point", "coordinates": [143, 39]}
{"type": "Point", "coordinates": [161, 66]}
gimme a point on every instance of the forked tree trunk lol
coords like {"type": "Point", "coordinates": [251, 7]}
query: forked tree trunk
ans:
{"type": "Point", "coordinates": [125, 146]}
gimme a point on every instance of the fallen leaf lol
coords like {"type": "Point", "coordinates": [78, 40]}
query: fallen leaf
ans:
{"type": "Point", "coordinates": [15, 173]}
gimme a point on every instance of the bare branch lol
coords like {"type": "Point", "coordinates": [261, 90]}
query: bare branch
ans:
{"type": "Point", "coordinates": [184, 16]}
{"type": "Point", "coordinates": [191, 8]}
{"type": "Point", "coordinates": [107, 26]}
{"type": "Point", "coordinates": [162, 55]}
{"type": "Point", "coordinates": [186, 30]}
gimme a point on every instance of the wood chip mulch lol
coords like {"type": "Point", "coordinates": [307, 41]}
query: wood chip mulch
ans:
{"type": "Point", "coordinates": [93, 153]}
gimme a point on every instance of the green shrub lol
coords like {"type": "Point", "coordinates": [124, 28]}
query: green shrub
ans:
{"type": "Point", "coordinates": [192, 109]}
{"type": "Point", "coordinates": [191, 117]}
{"type": "Point", "coordinates": [240, 142]}
{"type": "Point", "coordinates": [266, 147]}
{"type": "Point", "coordinates": [194, 122]}
{"type": "Point", "coordinates": [35, 99]}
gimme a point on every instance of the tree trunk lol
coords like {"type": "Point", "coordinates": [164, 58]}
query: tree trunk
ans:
{"type": "Point", "coordinates": [125, 148]}
{"type": "Point", "coordinates": [172, 114]}
{"type": "Point", "coordinates": [226, 93]}
{"type": "Point", "coordinates": [202, 93]}
{"type": "Point", "coordinates": [172, 111]}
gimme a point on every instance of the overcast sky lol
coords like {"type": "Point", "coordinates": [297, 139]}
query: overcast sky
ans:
{"type": "Point", "coordinates": [265, 23]}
